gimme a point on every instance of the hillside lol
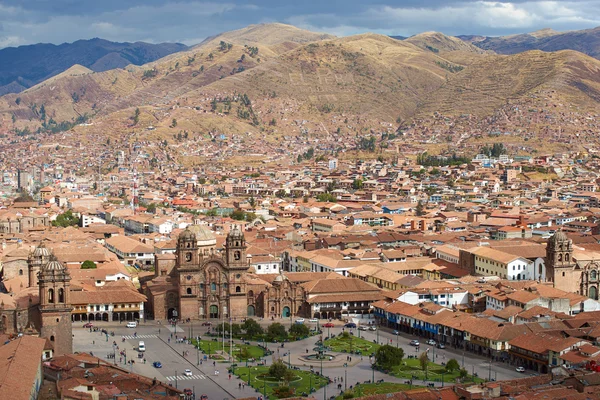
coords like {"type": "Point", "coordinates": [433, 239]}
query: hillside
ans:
{"type": "Point", "coordinates": [439, 43]}
{"type": "Point", "coordinates": [492, 81]}
{"type": "Point", "coordinates": [585, 41]}
{"type": "Point", "coordinates": [25, 66]}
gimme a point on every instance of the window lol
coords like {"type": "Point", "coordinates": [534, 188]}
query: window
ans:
{"type": "Point", "coordinates": [237, 255]}
{"type": "Point", "coordinates": [20, 272]}
{"type": "Point", "coordinates": [563, 274]}
{"type": "Point", "coordinates": [61, 295]}
{"type": "Point", "coordinates": [213, 286]}
{"type": "Point", "coordinates": [189, 291]}
{"type": "Point", "coordinates": [188, 257]}
{"type": "Point", "coordinates": [50, 295]}
{"type": "Point", "coordinates": [238, 289]}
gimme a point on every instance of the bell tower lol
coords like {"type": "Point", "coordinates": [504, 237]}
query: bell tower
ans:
{"type": "Point", "coordinates": [237, 265]}
{"type": "Point", "coordinates": [37, 258]}
{"type": "Point", "coordinates": [55, 306]}
{"type": "Point", "coordinates": [187, 250]}
{"type": "Point", "coordinates": [559, 261]}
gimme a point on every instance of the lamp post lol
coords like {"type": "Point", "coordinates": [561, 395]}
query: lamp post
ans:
{"type": "Point", "coordinates": [198, 352]}
{"type": "Point", "coordinates": [249, 372]}
{"type": "Point", "coordinates": [175, 317]}
{"type": "Point", "coordinates": [345, 377]}
{"type": "Point", "coordinates": [490, 371]}
{"type": "Point", "coordinates": [175, 379]}
{"type": "Point", "coordinates": [373, 370]}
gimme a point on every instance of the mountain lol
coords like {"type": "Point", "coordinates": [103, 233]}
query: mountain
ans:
{"type": "Point", "coordinates": [438, 42]}
{"type": "Point", "coordinates": [280, 85]}
{"type": "Point", "coordinates": [24, 66]}
{"type": "Point", "coordinates": [585, 41]}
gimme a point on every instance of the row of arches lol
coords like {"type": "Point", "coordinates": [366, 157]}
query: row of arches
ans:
{"type": "Point", "coordinates": [52, 299]}
{"type": "Point", "coordinates": [105, 316]}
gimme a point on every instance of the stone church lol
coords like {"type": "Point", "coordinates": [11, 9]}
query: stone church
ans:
{"type": "Point", "coordinates": [568, 271]}
{"type": "Point", "coordinates": [197, 282]}
{"type": "Point", "coordinates": [44, 308]}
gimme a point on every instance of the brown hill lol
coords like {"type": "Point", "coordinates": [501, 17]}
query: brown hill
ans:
{"type": "Point", "coordinates": [494, 80]}
{"type": "Point", "coordinates": [439, 43]}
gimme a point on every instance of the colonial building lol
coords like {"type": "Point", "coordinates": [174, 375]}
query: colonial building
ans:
{"type": "Point", "coordinates": [567, 272]}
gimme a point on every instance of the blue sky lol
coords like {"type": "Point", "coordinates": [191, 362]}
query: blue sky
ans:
{"type": "Point", "coordinates": [57, 21]}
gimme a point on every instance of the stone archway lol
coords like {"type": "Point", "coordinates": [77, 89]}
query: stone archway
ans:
{"type": "Point", "coordinates": [251, 311]}
{"type": "Point", "coordinates": [285, 313]}
{"type": "Point", "coordinates": [593, 293]}
{"type": "Point", "coordinates": [213, 311]}
{"type": "Point", "coordinates": [170, 313]}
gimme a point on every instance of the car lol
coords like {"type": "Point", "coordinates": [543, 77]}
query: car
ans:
{"type": "Point", "coordinates": [350, 325]}
{"type": "Point", "coordinates": [372, 328]}
{"type": "Point", "coordinates": [131, 324]}
{"type": "Point", "coordinates": [207, 323]}
{"type": "Point", "coordinates": [431, 342]}
{"type": "Point", "coordinates": [88, 325]}
{"type": "Point", "coordinates": [157, 364]}
{"type": "Point", "coordinates": [188, 372]}
{"type": "Point", "coordinates": [415, 343]}
{"type": "Point", "coordinates": [328, 325]}
{"type": "Point", "coordinates": [362, 328]}
{"type": "Point", "coordinates": [396, 333]}
{"type": "Point", "coordinates": [299, 320]}
{"type": "Point", "coordinates": [520, 369]}
{"type": "Point", "coordinates": [441, 346]}
{"type": "Point", "coordinates": [313, 320]}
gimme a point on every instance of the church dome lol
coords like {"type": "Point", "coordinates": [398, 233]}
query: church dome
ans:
{"type": "Point", "coordinates": [202, 233]}
{"type": "Point", "coordinates": [41, 251]}
{"type": "Point", "coordinates": [187, 235]}
{"type": "Point", "coordinates": [280, 278]}
{"type": "Point", "coordinates": [54, 265]}
{"type": "Point", "coordinates": [559, 237]}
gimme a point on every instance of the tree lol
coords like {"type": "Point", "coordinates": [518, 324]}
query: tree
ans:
{"type": "Point", "coordinates": [278, 369]}
{"type": "Point", "coordinates": [151, 208]}
{"type": "Point", "coordinates": [420, 210]}
{"type": "Point", "coordinates": [276, 330]}
{"type": "Point", "coordinates": [252, 328]}
{"type": "Point", "coordinates": [66, 219]}
{"type": "Point", "coordinates": [236, 329]}
{"type": "Point", "coordinates": [423, 360]}
{"type": "Point", "coordinates": [238, 215]}
{"type": "Point", "coordinates": [87, 264]}
{"type": "Point", "coordinates": [389, 356]}
{"type": "Point", "coordinates": [299, 330]}
{"type": "Point", "coordinates": [280, 193]}
{"type": "Point", "coordinates": [452, 365]}
{"type": "Point", "coordinates": [136, 116]}
{"type": "Point", "coordinates": [327, 197]}
{"type": "Point", "coordinates": [463, 373]}
{"type": "Point", "coordinates": [357, 184]}
{"type": "Point", "coordinates": [173, 123]}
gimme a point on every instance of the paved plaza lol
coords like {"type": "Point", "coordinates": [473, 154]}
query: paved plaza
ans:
{"type": "Point", "coordinates": [214, 381]}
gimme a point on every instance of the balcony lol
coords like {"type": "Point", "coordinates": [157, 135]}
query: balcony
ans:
{"type": "Point", "coordinates": [330, 308]}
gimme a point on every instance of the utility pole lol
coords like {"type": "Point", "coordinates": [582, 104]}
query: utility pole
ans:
{"type": "Point", "coordinates": [490, 371]}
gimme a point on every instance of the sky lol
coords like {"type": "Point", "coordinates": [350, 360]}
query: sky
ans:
{"type": "Point", "coordinates": [189, 21]}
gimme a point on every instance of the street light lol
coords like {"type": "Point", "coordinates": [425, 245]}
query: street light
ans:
{"type": "Point", "coordinates": [198, 352]}
{"type": "Point", "coordinates": [175, 379]}
{"type": "Point", "coordinates": [345, 377]}
{"type": "Point", "coordinates": [373, 370]}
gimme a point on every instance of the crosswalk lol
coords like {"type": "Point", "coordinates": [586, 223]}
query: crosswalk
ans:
{"type": "Point", "coordinates": [140, 336]}
{"type": "Point", "coordinates": [185, 377]}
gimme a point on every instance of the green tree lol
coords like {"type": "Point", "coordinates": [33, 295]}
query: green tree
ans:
{"type": "Point", "coordinates": [389, 356]}
{"type": "Point", "coordinates": [151, 208]}
{"type": "Point", "coordinates": [357, 184]}
{"type": "Point", "coordinates": [252, 328]}
{"type": "Point", "coordinates": [238, 215]}
{"type": "Point", "coordinates": [173, 123]}
{"type": "Point", "coordinates": [423, 360]}
{"type": "Point", "coordinates": [299, 330]}
{"type": "Point", "coordinates": [276, 330]}
{"type": "Point", "coordinates": [420, 209]}
{"type": "Point", "coordinates": [452, 365]}
{"type": "Point", "coordinates": [87, 264]}
{"type": "Point", "coordinates": [136, 116]}
{"type": "Point", "coordinates": [278, 369]}
{"type": "Point", "coordinates": [326, 197]}
{"type": "Point", "coordinates": [463, 373]}
{"type": "Point", "coordinates": [66, 219]}
{"type": "Point", "coordinates": [280, 193]}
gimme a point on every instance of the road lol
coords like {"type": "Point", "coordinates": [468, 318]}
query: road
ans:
{"type": "Point", "coordinates": [164, 348]}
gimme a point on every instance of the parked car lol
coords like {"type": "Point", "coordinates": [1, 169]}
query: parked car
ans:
{"type": "Point", "coordinates": [328, 325]}
{"type": "Point", "coordinates": [350, 325]}
{"type": "Point", "coordinates": [396, 333]}
{"type": "Point", "coordinates": [441, 346]}
{"type": "Point", "coordinates": [188, 372]}
{"type": "Point", "coordinates": [157, 364]}
{"type": "Point", "coordinates": [362, 328]}
{"type": "Point", "coordinates": [131, 324]}
{"type": "Point", "coordinates": [299, 320]}
{"type": "Point", "coordinates": [431, 342]}
{"type": "Point", "coordinates": [415, 343]}
{"type": "Point", "coordinates": [207, 323]}
{"type": "Point", "coordinates": [313, 320]}
{"type": "Point", "coordinates": [88, 325]}
{"type": "Point", "coordinates": [372, 328]}
{"type": "Point", "coordinates": [520, 369]}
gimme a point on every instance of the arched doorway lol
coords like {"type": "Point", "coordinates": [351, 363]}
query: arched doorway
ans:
{"type": "Point", "coordinates": [213, 311]}
{"type": "Point", "coordinates": [593, 293]}
{"type": "Point", "coordinates": [286, 312]}
{"type": "Point", "coordinates": [170, 313]}
{"type": "Point", "coordinates": [251, 311]}
{"type": "Point", "coordinates": [317, 315]}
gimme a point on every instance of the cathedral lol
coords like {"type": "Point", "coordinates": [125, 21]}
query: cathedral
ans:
{"type": "Point", "coordinates": [197, 282]}
{"type": "Point", "coordinates": [570, 272]}
{"type": "Point", "coordinates": [44, 307]}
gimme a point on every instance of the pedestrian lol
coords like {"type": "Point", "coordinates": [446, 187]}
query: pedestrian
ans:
{"type": "Point", "coordinates": [93, 342]}
{"type": "Point", "coordinates": [240, 386]}
{"type": "Point", "coordinates": [171, 334]}
{"type": "Point", "coordinates": [229, 376]}
{"type": "Point", "coordinates": [168, 340]}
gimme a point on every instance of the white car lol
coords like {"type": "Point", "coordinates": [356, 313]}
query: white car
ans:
{"type": "Point", "coordinates": [131, 324]}
{"type": "Point", "coordinates": [362, 328]}
{"type": "Point", "coordinates": [188, 372]}
{"type": "Point", "coordinates": [520, 369]}
{"type": "Point", "coordinates": [313, 320]}
{"type": "Point", "coordinates": [300, 320]}
{"type": "Point", "coordinates": [431, 342]}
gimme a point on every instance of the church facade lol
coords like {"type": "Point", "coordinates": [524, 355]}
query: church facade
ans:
{"type": "Point", "coordinates": [570, 272]}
